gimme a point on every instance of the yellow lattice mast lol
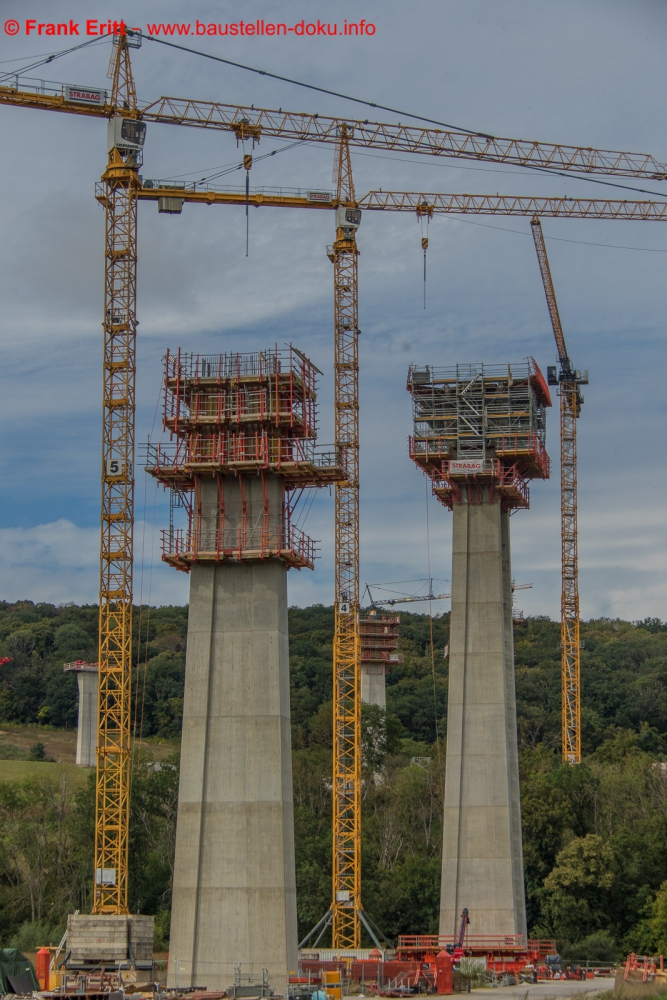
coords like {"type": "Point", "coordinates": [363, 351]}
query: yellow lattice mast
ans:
{"type": "Point", "coordinates": [121, 181]}
{"type": "Point", "coordinates": [571, 399]}
{"type": "Point", "coordinates": [346, 888]}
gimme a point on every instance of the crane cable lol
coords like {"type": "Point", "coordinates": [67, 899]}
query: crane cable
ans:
{"type": "Point", "coordinates": [430, 616]}
{"type": "Point", "coordinates": [424, 247]}
{"type": "Point", "coordinates": [312, 86]}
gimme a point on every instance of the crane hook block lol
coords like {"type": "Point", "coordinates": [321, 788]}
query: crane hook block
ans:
{"type": "Point", "coordinates": [247, 161]}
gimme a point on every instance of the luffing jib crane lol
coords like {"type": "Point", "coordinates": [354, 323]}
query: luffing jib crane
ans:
{"type": "Point", "coordinates": [569, 381]}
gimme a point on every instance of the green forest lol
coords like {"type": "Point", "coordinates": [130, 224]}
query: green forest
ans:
{"type": "Point", "coordinates": [595, 836]}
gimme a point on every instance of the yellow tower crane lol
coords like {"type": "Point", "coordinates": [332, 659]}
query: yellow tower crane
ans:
{"type": "Point", "coordinates": [121, 183]}
{"type": "Point", "coordinates": [569, 380]}
{"type": "Point", "coordinates": [119, 193]}
{"type": "Point", "coordinates": [346, 804]}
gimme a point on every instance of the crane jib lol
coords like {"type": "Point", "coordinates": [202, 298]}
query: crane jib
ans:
{"type": "Point", "coordinates": [256, 123]}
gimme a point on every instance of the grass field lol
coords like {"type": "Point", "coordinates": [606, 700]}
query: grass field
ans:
{"type": "Point", "coordinates": [60, 745]}
{"type": "Point", "coordinates": [19, 770]}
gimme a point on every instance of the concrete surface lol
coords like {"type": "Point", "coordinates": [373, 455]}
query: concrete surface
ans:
{"type": "Point", "coordinates": [109, 937]}
{"type": "Point", "coordinates": [238, 494]}
{"type": "Point", "coordinates": [234, 896]}
{"type": "Point", "coordinates": [482, 863]}
{"type": "Point", "coordinates": [555, 988]}
{"type": "Point", "coordinates": [86, 731]}
{"type": "Point", "coordinates": [373, 684]}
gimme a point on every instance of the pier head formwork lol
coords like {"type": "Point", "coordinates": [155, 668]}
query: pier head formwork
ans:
{"type": "Point", "coordinates": [378, 631]}
{"type": "Point", "coordinates": [479, 434]}
{"type": "Point", "coordinates": [242, 450]}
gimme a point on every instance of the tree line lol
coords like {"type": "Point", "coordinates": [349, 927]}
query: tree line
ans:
{"type": "Point", "coordinates": [595, 836]}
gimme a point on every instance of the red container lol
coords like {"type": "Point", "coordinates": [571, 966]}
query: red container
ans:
{"type": "Point", "coordinates": [443, 969]}
{"type": "Point", "coordinates": [43, 965]}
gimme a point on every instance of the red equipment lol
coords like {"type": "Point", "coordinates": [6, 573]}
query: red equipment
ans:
{"type": "Point", "coordinates": [443, 973]}
{"type": "Point", "coordinates": [6, 659]}
{"type": "Point", "coordinates": [456, 950]}
{"type": "Point", "coordinates": [43, 963]}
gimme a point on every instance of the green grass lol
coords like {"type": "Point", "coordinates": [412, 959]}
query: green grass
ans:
{"type": "Point", "coordinates": [10, 752]}
{"type": "Point", "coordinates": [19, 770]}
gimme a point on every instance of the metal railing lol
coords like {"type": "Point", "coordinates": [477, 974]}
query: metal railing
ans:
{"type": "Point", "coordinates": [477, 942]}
{"type": "Point", "coordinates": [215, 544]}
{"type": "Point", "coordinates": [223, 451]}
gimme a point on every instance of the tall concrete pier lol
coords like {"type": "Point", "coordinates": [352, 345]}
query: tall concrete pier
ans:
{"type": "Point", "coordinates": [479, 435]}
{"type": "Point", "coordinates": [379, 642]}
{"type": "Point", "coordinates": [87, 675]}
{"type": "Point", "coordinates": [243, 432]}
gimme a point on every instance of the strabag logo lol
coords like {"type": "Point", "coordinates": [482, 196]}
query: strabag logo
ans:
{"type": "Point", "coordinates": [463, 467]}
{"type": "Point", "coordinates": [85, 95]}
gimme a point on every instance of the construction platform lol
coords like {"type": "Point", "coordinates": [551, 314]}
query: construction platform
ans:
{"type": "Point", "coordinates": [378, 633]}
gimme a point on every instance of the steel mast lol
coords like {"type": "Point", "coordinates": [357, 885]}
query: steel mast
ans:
{"type": "Point", "coordinates": [570, 408]}
{"type": "Point", "coordinates": [346, 806]}
{"type": "Point", "coordinates": [121, 181]}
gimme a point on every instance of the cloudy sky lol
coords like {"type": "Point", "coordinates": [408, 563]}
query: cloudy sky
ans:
{"type": "Point", "coordinates": [590, 74]}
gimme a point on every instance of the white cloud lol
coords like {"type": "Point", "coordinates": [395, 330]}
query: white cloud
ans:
{"type": "Point", "coordinates": [599, 85]}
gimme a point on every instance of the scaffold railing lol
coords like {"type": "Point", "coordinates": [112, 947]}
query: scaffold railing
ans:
{"type": "Point", "coordinates": [380, 656]}
{"type": "Point", "coordinates": [183, 546]}
{"type": "Point", "coordinates": [477, 942]}
{"type": "Point", "coordinates": [221, 451]}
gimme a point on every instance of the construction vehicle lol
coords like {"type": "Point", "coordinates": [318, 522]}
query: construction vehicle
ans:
{"type": "Point", "coordinates": [120, 192]}
{"type": "Point", "coordinates": [456, 949]}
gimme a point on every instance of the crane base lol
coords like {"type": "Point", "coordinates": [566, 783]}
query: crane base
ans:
{"type": "Point", "coordinates": [124, 940]}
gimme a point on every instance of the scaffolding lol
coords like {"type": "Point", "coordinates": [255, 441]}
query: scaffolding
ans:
{"type": "Point", "coordinates": [480, 424]}
{"type": "Point", "coordinates": [379, 638]}
{"type": "Point", "coordinates": [249, 417]}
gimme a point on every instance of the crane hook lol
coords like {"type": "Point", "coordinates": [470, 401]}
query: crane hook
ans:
{"type": "Point", "coordinates": [247, 163]}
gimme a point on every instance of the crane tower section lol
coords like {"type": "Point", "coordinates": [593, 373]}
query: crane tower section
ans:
{"type": "Point", "coordinates": [570, 381]}
{"type": "Point", "coordinates": [346, 797]}
{"type": "Point", "coordinates": [121, 185]}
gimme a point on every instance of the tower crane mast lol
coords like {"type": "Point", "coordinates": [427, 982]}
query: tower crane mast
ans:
{"type": "Point", "coordinates": [346, 804]}
{"type": "Point", "coordinates": [121, 182]}
{"type": "Point", "coordinates": [569, 380]}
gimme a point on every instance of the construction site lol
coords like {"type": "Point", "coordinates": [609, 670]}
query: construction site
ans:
{"type": "Point", "coordinates": [236, 450]}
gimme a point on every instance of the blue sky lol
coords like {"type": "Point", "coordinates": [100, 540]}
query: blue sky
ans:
{"type": "Point", "coordinates": [591, 74]}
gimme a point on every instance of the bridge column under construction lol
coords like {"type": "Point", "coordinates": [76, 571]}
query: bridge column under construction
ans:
{"type": "Point", "coordinates": [378, 631]}
{"type": "Point", "coordinates": [243, 429]}
{"type": "Point", "coordinates": [479, 434]}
